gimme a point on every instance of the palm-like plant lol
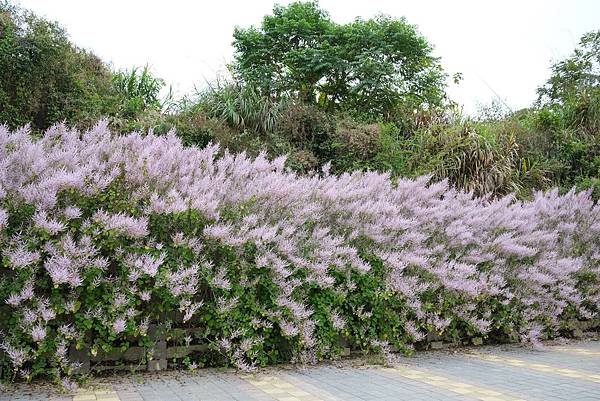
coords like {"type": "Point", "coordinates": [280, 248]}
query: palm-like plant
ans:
{"type": "Point", "coordinates": [474, 162]}
{"type": "Point", "coordinates": [140, 91]}
{"type": "Point", "coordinates": [243, 107]}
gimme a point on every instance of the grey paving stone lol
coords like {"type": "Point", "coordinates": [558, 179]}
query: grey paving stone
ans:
{"type": "Point", "coordinates": [349, 383]}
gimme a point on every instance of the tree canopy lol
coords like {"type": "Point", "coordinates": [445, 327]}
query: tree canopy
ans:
{"type": "Point", "coordinates": [43, 77]}
{"type": "Point", "coordinates": [573, 89]}
{"type": "Point", "coordinates": [368, 66]}
{"type": "Point", "coordinates": [576, 75]}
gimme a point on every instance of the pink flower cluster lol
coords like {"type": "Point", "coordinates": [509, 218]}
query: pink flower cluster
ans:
{"type": "Point", "coordinates": [538, 258]}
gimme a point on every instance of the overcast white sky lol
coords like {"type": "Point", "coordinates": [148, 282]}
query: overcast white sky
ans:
{"type": "Point", "coordinates": [502, 46]}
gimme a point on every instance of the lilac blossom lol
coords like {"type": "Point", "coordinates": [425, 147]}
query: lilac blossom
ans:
{"type": "Point", "coordinates": [143, 326]}
{"type": "Point", "coordinates": [62, 270]}
{"type": "Point", "coordinates": [25, 374]}
{"type": "Point", "coordinates": [68, 385]}
{"type": "Point", "coordinates": [338, 321]}
{"type": "Point", "coordinates": [21, 257]}
{"type": "Point", "coordinates": [14, 300]}
{"type": "Point", "coordinates": [72, 212]}
{"type": "Point", "coordinates": [45, 311]}
{"type": "Point", "coordinates": [3, 219]}
{"type": "Point", "coordinates": [40, 220]}
{"type": "Point", "coordinates": [38, 333]}
{"type": "Point", "coordinates": [312, 234]}
{"type": "Point", "coordinates": [225, 305]}
{"type": "Point", "coordinates": [119, 325]}
{"type": "Point", "coordinates": [288, 329]}
{"type": "Point", "coordinates": [220, 281]}
{"type": "Point", "coordinates": [190, 310]}
{"type": "Point", "coordinates": [129, 226]}
{"type": "Point", "coordinates": [67, 331]}
{"type": "Point", "coordinates": [17, 356]}
{"type": "Point", "coordinates": [62, 349]}
{"type": "Point", "coordinates": [144, 264]}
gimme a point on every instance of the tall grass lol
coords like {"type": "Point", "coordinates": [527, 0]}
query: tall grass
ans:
{"type": "Point", "coordinates": [242, 107]}
{"type": "Point", "coordinates": [140, 91]}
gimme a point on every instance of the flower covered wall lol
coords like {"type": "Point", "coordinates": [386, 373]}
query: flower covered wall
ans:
{"type": "Point", "coordinates": [104, 235]}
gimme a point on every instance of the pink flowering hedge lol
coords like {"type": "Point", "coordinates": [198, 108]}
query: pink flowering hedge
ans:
{"type": "Point", "coordinates": [102, 236]}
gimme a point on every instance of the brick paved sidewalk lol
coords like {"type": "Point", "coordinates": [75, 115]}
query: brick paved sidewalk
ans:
{"type": "Point", "coordinates": [568, 372]}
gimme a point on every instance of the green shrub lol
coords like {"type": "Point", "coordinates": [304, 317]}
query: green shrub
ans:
{"type": "Point", "coordinates": [242, 107]}
{"type": "Point", "coordinates": [138, 92]}
{"type": "Point", "coordinates": [103, 235]}
{"type": "Point", "coordinates": [365, 67]}
{"type": "Point", "coordinates": [44, 78]}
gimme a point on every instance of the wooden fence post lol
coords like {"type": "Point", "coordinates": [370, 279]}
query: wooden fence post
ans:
{"type": "Point", "coordinates": [82, 356]}
{"type": "Point", "coordinates": [159, 351]}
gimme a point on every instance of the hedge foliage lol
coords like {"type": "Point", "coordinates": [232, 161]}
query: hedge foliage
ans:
{"type": "Point", "coordinates": [103, 235]}
{"type": "Point", "coordinates": [371, 99]}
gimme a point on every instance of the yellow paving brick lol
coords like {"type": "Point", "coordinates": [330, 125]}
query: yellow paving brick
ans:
{"type": "Point", "coordinates": [273, 390]}
{"type": "Point", "coordinates": [577, 374]}
{"type": "Point", "coordinates": [577, 351]}
{"type": "Point", "coordinates": [84, 397]}
{"type": "Point", "coordinates": [298, 393]}
{"type": "Point", "coordinates": [280, 389]}
{"type": "Point", "coordinates": [565, 370]}
{"type": "Point", "coordinates": [103, 391]}
{"type": "Point", "coordinates": [489, 398]}
{"type": "Point", "coordinates": [463, 385]}
{"type": "Point", "coordinates": [437, 378]}
{"type": "Point", "coordinates": [283, 385]}
{"type": "Point", "coordinates": [107, 397]}
{"type": "Point", "coordinates": [446, 383]}
{"type": "Point", "coordinates": [490, 392]}
{"type": "Point", "coordinates": [463, 391]}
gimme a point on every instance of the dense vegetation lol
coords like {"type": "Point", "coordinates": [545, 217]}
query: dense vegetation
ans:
{"type": "Point", "coordinates": [103, 235]}
{"type": "Point", "coordinates": [45, 79]}
{"type": "Point", "coordinates": [343, 227]}
{"type": "Point", "coordinates": [363, 95]}
{"type": "Point", "coordinates": [368, 68]}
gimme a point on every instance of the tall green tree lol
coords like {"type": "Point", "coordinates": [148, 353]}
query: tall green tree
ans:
{"type": "Point", "coordinates": [568, 116]}
{"type": "Point", "coordinates": [44, 78]}
{"type": "Point", "coordinates": [577, 74]}
{"type": "Point", "coordinates": [574, 86]}
{"type": "Point", "coordinates": [367, 66]}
